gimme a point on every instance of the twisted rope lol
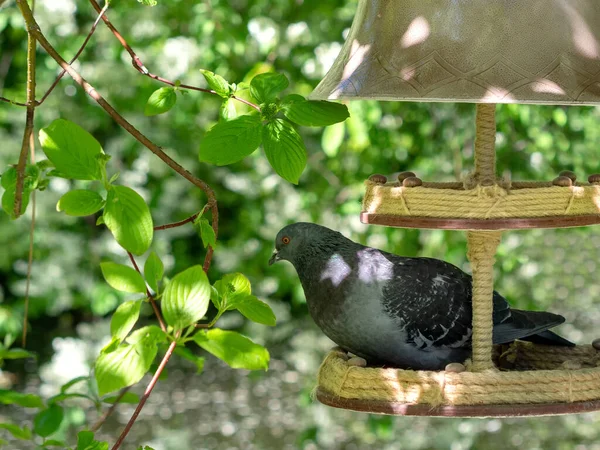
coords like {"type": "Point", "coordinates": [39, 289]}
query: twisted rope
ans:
{"type": "Point", "coordinates": [481, 250]}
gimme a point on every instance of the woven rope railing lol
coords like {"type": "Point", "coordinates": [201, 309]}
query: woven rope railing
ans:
{"type": "Point", "coordinates": [546, 381]}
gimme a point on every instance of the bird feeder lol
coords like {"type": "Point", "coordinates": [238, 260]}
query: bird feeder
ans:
{"type": "Point", "coordinates": [483, 52]}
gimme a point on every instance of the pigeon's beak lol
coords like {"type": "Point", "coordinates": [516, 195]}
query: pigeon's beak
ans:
{"type": "Point", "coordinates": [274, 258]}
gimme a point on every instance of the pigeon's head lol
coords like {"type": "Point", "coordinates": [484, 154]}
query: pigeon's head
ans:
{"type": "Point", "coordinates": [301, 239]}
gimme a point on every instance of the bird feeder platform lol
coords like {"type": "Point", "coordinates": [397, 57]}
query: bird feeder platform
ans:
{"type": "Point", "coordinates": [534, 380]}
{"type": "Point", "coordinates": [452, 206]}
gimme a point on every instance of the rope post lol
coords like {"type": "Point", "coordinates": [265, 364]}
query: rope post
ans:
{"type": "Point", "coordinates": [481, 248]}
{"type": "Point", "coordinates": [482, 245]}
{"type": "Point", "coordinates": [485, 142]}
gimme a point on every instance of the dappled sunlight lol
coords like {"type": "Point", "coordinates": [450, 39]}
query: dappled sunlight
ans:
{"type": "Point", "coordinates": [418, 31]}
{"type": "Point", "coordinates": [544, 86]}
{"type": "Point", "coordinates": [583, 37]}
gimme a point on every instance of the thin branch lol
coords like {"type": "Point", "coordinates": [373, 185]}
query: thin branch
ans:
{"type": "Point", "coordinates": [110, 410]}
{"type": "Point", "coordinates": [28, 120]}
{"type": "Point", "coordinates": [141, 68]}
{"type": "Point", "coordinates": [79, 52]}
{"type": "Point", "coordinates": [147, 393]}
{"type": "Point", "coordinates": [150, 297]}
{"type": "Point", "coordinates": [34, 29]}
{"type": "Point", "coordinates": [30, 256]}
{"type": "Point", "coordinates": [12, 102]}
{"type": "Point", "coordinates": [177, 224]}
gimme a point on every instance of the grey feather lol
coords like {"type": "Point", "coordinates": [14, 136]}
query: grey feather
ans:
{"type": "Point", "coordinates": [406, 312]}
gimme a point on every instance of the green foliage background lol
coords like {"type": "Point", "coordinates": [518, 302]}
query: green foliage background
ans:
{"type": "Point", "coordinates": [539, 269]}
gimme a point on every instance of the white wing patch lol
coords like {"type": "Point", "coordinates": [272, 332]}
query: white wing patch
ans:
{"type": "Point", "coordinates": [336, 270]}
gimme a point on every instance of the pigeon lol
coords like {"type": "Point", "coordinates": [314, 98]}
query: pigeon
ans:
{"type": "Point", "coordinates": [410, 313]}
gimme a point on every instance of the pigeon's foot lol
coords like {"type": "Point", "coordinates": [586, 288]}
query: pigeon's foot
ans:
{"type": "Point", "coordinates": [357, 361]}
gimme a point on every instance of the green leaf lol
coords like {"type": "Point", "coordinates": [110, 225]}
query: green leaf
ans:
{"type": "Point", "coordinates": [85, 441]}
{"type": "Point", "coordinates": [228, 111]}
{"type": "Point", "coordinates": [265, 87]}
{"type": "Point", "coordinates": [153, 270]}
{"type": "Point", "coordinates": [284, 149]}
{"type": "Point", "coordinates": [146, 447]}
{"type": "Point", "coordinates": [48, 421]}
{"type": "Point", "coordinates": [185, 299]}
{"type": "Point", "coordinates": [187, 354]}
{"type": "Point", "coordinates": [161, 101]}
{"type": "Point", "coordinates": [233, 284]}
{"type": "Point", "coordinates": [8, 201]}
{"type": "Point", "coordinates": [148, 334]}
{"type": "Point", "coordinates": [128, 218]}
{"type": "Point", "coordinates": [65, 387]}
{"type": "Point", "coordinates": [207, 234]}
{"type": "Point", "coordinates": [61, 397]}
{"type": "Point", "coordinates": [125, 366]}
{"type": "Point", "coordinates": [16, 353]}
{"type": "Point", "coordinates": [254, 309]}
{"type": "Point", "coordinates": [312, 113]}
{"type": "Point", "coordinates": [124, 318]}
{"type": "Point", "coordinates": [123, 278]}
{"type": "Point", "coordinates": [217, 83]}
{"type": "Point", "coordinates": [128, 397]}
{"type": "Point", "coordinates": [235, 349]}
{"type": "Point", "coordinates": [147, 3]}
{"type": "Point", "coordinates": [80, 202]}
{"type": "Point", "coordinates": [231, 141]}
{"type": "Point", "coordinates": [73, 151]}
{"type": "Point", "coordinates": [9, 178]}
{"type": "Point", "coordinates": [16, 398]}
{"type": "Point", "coordinates": [18, 432]}
{"type": "Point", "coordinates": [54, 443]}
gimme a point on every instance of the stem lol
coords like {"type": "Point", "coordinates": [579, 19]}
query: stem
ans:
{"type": "Point", "coordinates": [85, 42]}
{"type": "Point", "coordinates": [34, 29]}
{"type": "Point", "coordinates": [30, 254]}
{"type": "Point", "coordinates": [147, 393]}
{"type": "Point", "coordinates": [150, 297]}
{"type": "Point", "coordinates": [110, 410]}
{"type": "Point", "coordinates": [28, 132]}
{"type": "Point", "coordinates": [140, 67]}
{"type": "Point", "coordinates": [12, 102]}
{"type": "Point", "coordinates": [177, 224]}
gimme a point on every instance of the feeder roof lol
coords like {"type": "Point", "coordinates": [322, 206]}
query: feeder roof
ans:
{"type": "Point", "coordinates": [479, 51]}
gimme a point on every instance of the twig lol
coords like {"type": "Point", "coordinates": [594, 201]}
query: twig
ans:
{"type": "Point", "coordinates": [147, 393]}
{"type": "Point", "coordinates": [85, 42]}
{"type": "Point", "coordinates": [34, 29]}
{"type": "Point", "coordinates": [110, 410]}
{"type": "Point", "coordinates": [140, 67]}
{"type": "Point", "coordinates": [177, 224]}
{"type": "Point", "coordinates": [12, 102]}
{"type": "Point", "coordinates": [150, 297]}
{"type": "Point", "coordinates": [28, 119]}
{"type": "Point", "coordinates": [30, 256]}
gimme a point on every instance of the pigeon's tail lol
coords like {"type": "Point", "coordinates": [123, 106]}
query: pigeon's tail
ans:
{"type": "Point", "coordinates": [530, 326]}
{"type": "Point", "coordinates": [549, 338]}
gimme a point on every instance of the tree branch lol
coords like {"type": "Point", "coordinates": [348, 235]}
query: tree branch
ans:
{"type": "Point", "coordinates": [141, 68]}
{"type": "Point", "coordinates": [28, 119]}
{"type": "Point", "coordinates": [110, 410]}
{"type": "Point", "coordinates": [147, 393]}
{"type": "Point", "coordinates": [79, 52]}
{"type": "Point", "coordinates": [161, 322]}
{"type": "Point", "coordinates": [34, 29]}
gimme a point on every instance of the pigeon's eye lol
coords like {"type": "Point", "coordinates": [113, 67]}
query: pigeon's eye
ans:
{"type": "Point", "coordinates": [286, 240]}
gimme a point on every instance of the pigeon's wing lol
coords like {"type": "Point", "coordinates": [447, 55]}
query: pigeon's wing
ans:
{"type": "Point", "coordinates": [431, 300]}
{"type": "Point", "coordinates": [530, 325]}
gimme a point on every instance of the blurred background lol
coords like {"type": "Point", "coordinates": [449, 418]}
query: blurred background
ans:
{"type": "Point", "coordinates": [223, 409]}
